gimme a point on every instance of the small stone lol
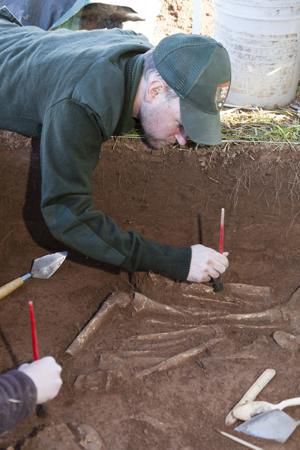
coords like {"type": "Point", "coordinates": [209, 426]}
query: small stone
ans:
{"type": "Point", "coordinates": [93, 381]}
{"type": "Point", "coordinates": [287, 341]}
{"type": "Point", "coordinates": [63, 436]}
{"type": "Point", "coordinates": [57, 437]}
{"type": "Point", "coordinates": [88, 438]}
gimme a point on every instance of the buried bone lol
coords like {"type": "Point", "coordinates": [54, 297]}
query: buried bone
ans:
{"type": "Point", "coordinates": [116, 300]}
{"type": "Point", "coordinates": [179, 359]}
{"type": "Point", "coordinates": [249, 291]}
{"type": "Point", "coordinates": [142, 303]}
{"type": "Point", "coordinates": [287, 341]}
{"type": "Point", "coordinates": [171, 334]}
{"type": "Point", "coordinates": [288, 313]}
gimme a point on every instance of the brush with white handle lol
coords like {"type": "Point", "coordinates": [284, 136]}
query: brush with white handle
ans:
{"type": "Point", "coordinates": [250, 409]}
{"type": "Point", "coordinates": [252, 393]}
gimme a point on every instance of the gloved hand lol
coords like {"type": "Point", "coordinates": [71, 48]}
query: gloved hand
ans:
{"type": "Point", "coordinates": [45, 373]}
{"type": "Point", "coordinates": [206, 263]}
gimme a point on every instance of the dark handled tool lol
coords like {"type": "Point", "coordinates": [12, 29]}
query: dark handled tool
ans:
{"type": "Point", "coordinates": [217, 284]}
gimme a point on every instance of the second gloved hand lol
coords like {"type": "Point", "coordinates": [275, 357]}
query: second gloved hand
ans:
{"type": "Point", "coordinates": [206, 263]}
{"type": "Point", "coordinates": [45, 374]}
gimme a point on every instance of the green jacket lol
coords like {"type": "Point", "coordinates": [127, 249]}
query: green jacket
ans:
{"type": "Point", "coordinates": [75, 90]}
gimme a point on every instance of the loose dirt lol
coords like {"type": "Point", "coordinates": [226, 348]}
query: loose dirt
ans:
{"type": "Point", "coordinates": [162, 372]}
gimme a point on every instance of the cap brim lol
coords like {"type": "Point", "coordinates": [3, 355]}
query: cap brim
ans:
{"type": "Point", "coordinates": [200, 127]}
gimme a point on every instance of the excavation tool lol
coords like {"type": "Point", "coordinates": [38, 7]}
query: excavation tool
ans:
{"type": "Point", "coordinates": [35, 348]}
{"type": "Point", "coordinates": [43, 268]}
{"type": "Point", "coordinates": [262, 381]}
{"type": "Point", "coordinates": [273, 425]}
{"type": "Point", "coordinates": [251, 409]}
{"type": "Point", "coordinates": [217, 283]}
{"type": "Point", "coordinates": [41, 410]}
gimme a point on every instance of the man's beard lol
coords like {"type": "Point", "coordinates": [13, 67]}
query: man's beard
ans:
{"type": "Point", "coordinates": [154, 144]}
{"type": "Point", "coordinates": [148, 137]}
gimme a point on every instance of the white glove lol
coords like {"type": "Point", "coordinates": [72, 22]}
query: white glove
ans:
{"type": "Point", "coordinates": [206, 263]}
{"type": "Point", "coordinates": [45, 373]}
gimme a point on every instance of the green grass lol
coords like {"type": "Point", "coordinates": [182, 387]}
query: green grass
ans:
{"type": "Point", "coordinates": [253, 125]}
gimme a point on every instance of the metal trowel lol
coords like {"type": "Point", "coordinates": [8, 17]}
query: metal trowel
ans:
{"type": "Point", "coordinates": [43, 267]}
{"type": "Point", "coordinates": [273, 425]}
{"type": "Point", "coordinates": [251, 409]}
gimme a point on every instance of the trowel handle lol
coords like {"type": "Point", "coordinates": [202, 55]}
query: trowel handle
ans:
{"type": "Point", "coordinates": [252, 393]}
{"type": "Point", "coordinates": [13, 285]}
{"type": "Point", "coordinates": [289, 402]}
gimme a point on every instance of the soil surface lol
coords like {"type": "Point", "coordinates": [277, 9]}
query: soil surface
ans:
{"type": "Point", "coordinates": [177, 16]}
{"type": "Point", "coordinates": [168, 360]}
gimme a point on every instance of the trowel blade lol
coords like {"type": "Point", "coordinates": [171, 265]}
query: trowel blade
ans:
{"type": "Point", "coordinates": [274, 425]}
{"type": "Point", "coordinates": [47, 265]}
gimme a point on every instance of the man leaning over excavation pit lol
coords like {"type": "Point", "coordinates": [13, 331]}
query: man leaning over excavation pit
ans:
{"type": "Point", "coordinates": [74, 90]}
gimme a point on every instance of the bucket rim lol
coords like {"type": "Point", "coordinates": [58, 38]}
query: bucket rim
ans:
{"type": "Point", "coordinates": [292, 4]}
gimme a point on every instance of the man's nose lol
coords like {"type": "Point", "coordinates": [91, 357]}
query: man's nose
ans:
{"type": "Point", "coordinates": [181, 137]}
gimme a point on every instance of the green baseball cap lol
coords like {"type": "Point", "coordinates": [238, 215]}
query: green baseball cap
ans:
{"type": "Point", "coordinates": [197, 68]}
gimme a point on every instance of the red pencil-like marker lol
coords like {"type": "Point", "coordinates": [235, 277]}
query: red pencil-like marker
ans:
{"type": "Point", "coordinates": [41, 410]}
{"type": "Point", "coordinates": [217, 282]}
{"type": "Point", "coordinates": [35, 347]}
{"type": "Point", "coordinates": [221, 237]}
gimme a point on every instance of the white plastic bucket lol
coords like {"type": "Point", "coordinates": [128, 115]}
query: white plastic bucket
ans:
{"type": "Point", "coordinates": [263, 41]}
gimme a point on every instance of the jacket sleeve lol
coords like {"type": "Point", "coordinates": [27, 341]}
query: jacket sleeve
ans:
{"type": "Point", "coordinates": [17, 398]}
{"type": "Point", "coordinates": [70, 147]}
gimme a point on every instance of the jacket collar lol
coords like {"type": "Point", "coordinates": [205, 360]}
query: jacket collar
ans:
{"type": "Point", "coordinates": [133, 74]}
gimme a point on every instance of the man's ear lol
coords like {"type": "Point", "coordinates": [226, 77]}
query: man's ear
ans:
{"type": "Point", "coordinates": [155, 87]}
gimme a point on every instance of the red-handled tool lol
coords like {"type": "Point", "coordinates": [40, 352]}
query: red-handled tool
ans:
{"type": "Point", "coordinates": [221, 237]}
{"type": "Point", "coordinates": [35, 347]}
{"type": "Point", "coordinates": [41, 410]}
{"type": "Point", "coordinates": [217, 282]}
